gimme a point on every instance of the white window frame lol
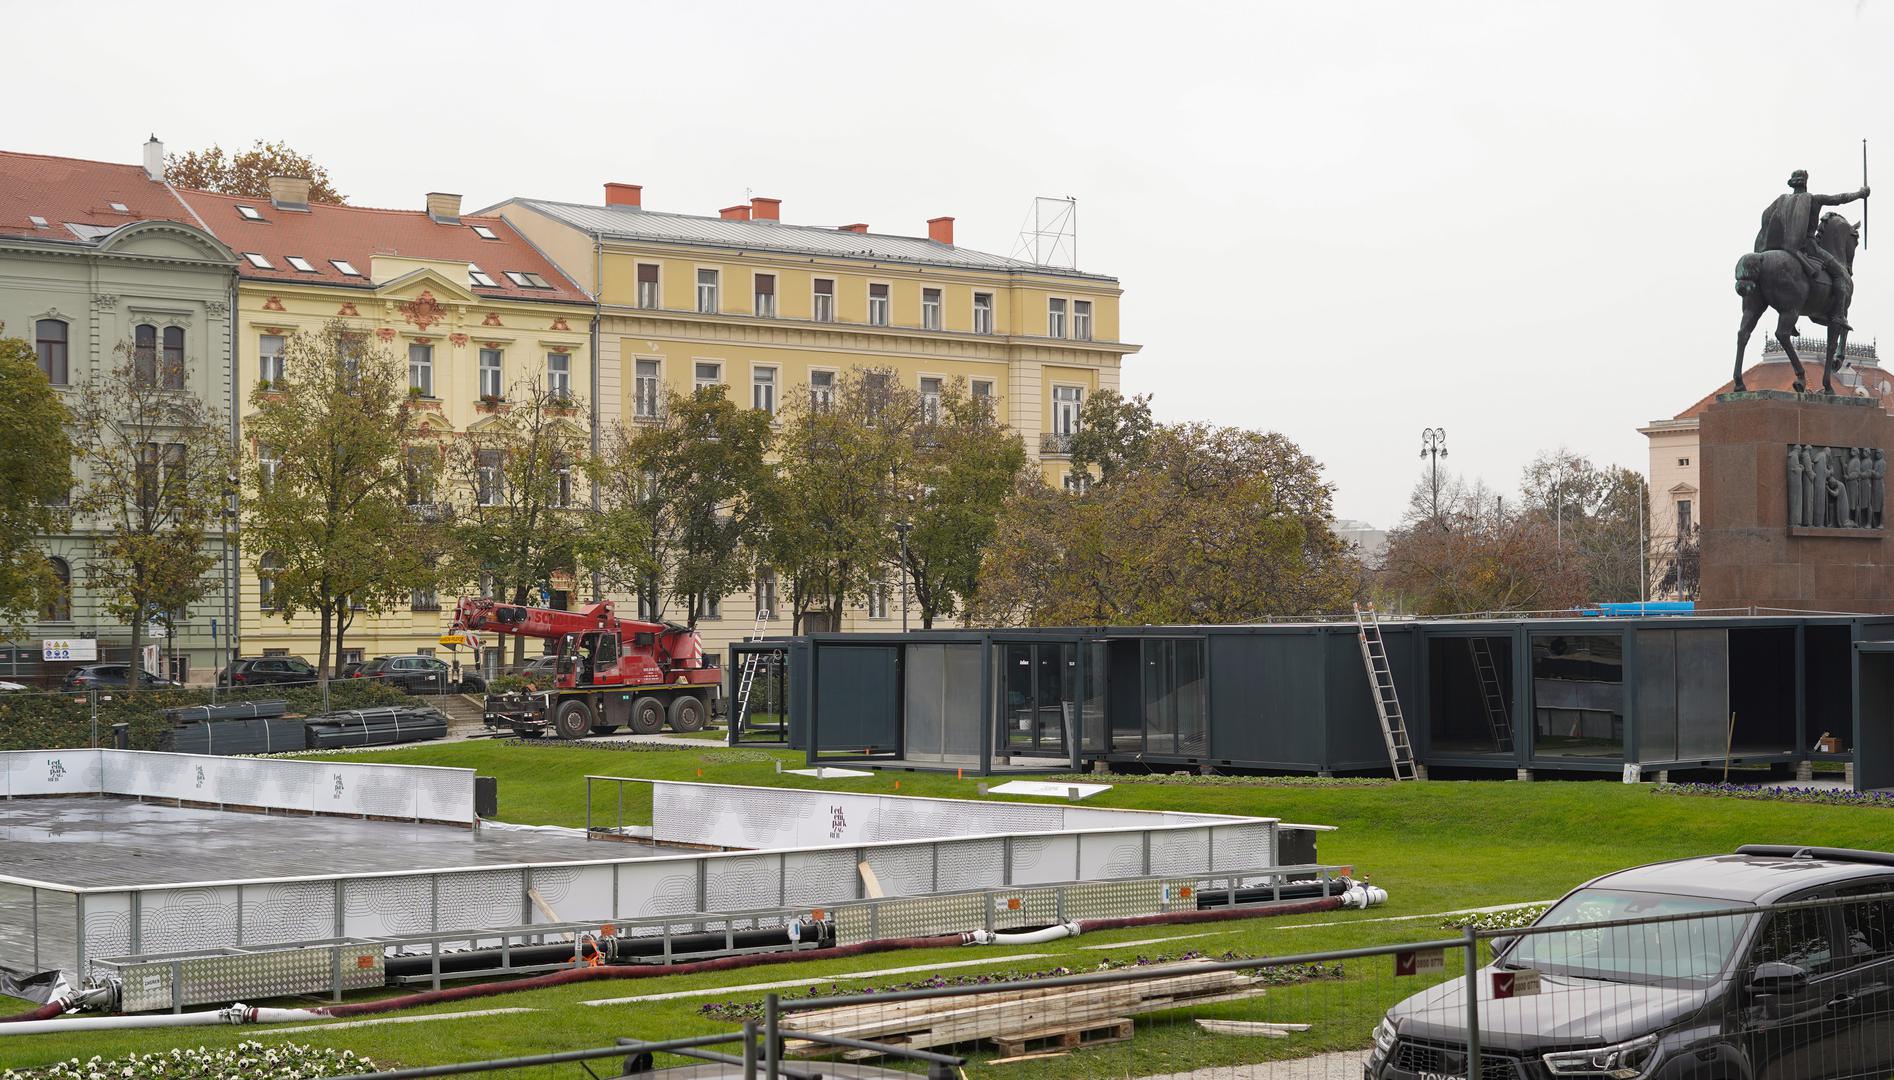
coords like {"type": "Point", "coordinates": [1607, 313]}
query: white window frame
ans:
{"type": "Point", "coordinates": [990, 313]}
{"type": "Point", "coordinates": [992, 391]}
{"type": "Point", "coordinates": [496, 387]}
{"type": "Point", "coordinates": [558, 382]}
{"type": "Point", "coordinates": [1061, 314]}
{"type": "Point", "coordinates": [250, 213]}
{"type": "Point", "coordinates": [647, 390]}
{"type": "Point", "coordinates": [259, 261]}
{"type": "Point", "coordinates": [484, 233]}
{"type": "Point", "coordinates": [698, 382]}
{"type": "Point", "coordinates": [343, 266]}
{"type": "Point", "coordinates": [821, 304]}
{"type": "Point", "coordinates": [1066, 411]}
{"type": "Point", "coordinates": [269, 461]}
{"type": "Point", "coordinates": [822, 397]}
{"type": "Point", "coordinates": [878, 600]}
{"type": "Point", "coordinates": [930, 400]}
{"type": "Point", "coordinates": [657, 286]}
{"type": "Point", "coordinates": [1082, 320]}
{"type": "Point", "coordinates": [489, 478]}
{"type": "Point", "coordinates": [270, 365]}
{"type": "Point", "coordinates": [299, 264]}
{"type": "Point", "coordinates": [424, 367]}
{"type": "Point", "coordinates": [480, 277]}
{"type": "Point", "coordinates": [715, 285]}
{"type": "Point", "coordinates": [757, 296]}
{"type": "Point", "coordinates": [1076, 482]}
{"type": "Point", "coordinates": [763, 391]}
{"type": "Point", "coordinates": [931, 312]}
{"type": "Point", "coordinates": [887, 303]}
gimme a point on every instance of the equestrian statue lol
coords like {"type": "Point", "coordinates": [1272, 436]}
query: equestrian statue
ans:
{"type": "Point", "coordinates": [1801, 266]}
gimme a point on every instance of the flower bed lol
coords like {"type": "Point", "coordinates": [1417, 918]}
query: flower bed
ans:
{"type": "Point", "coordinates": [1780, 793]}
{"type": "Point", "coordinates": [244, 1061]}
{"type": "Point", "coordinates": [1511, 919]}
{"type": "Point", "coordinates": [1194, 780]}
{"type": "Point", "coordinates": [736, 1012]}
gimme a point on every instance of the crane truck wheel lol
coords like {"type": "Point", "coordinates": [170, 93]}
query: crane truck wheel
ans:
{"type": "Point", "coordinates": [647, 715]}
{"type": "Point", "coordinates": [573, 720]}
{"type": "Point", "coordinates": [687, 713]}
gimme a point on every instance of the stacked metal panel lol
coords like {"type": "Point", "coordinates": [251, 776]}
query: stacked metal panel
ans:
{"type": "Point", "coordinates": [267, 736]}
{"type": "Point", "coordinates": [375, 727]}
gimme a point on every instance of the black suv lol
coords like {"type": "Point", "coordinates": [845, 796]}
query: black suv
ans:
{"type": "Point", "coordinates": [419, 674]}
{"type": "Point", "coordinates": [1784, 994]}
{"type": "Point", "coordinates": [259, 670]}
{"type": "Point", "coordinates": [110, 677]}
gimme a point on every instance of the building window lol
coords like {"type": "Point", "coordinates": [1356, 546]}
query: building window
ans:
{"type": "Point", "coordinates": [1683, 517]}
{"type": "Point", "coordinates": [707, 375]}
{"type": "Point", "coordinates": [824, 307]}
{"type": "Point", "coordinates": [345, 268]}
{"type": "Point", "coordinates": [559, 374]}
{"type": "Point", "coordinates": [983, 393]}
{"type": "Point", "coordinates": [481, 277]}
{"type": "Point", "coordinates": [1055, 317]}
{"type": "Point", "coordinates": [171, 373]}
{"type": "Point", "coordinates": [484, 233]}
{"type": "Point", "coordinates": [425, 600]}
{"type": "Point", "coordinates": [707, 291]}
{"type": "Point", "coordinates": [1683, 462]}
{"type": "Point", "coordinates": [421, 370]}
{"type": "Point", "coordinates": [145, 354]}
{"type": "Point", "coordinates": [765, 592]}
{"type": "Point", "coordinates": [645, 393]}
{"type": "Point", "coordinates": [1082, 320]}
{"type": "Point", "coordinates": [983, 313]}
{"type": "Point", "coordinates": [489, 480]}
{"type": "Point", "coordinates": [419, 475]}
{"type": "Point", "coordinates": [267, 568]}
{"type": "Point", "coordinates": [160, 468]}
{"type": "Point", "coordinates": [1076, 483]}
{"type": "Point", "coordinates": [299, 264]}
{"type": "Point", "coordinates": [258, 261]}
{"type": "Point", "coordinates": [930, 309]}
{"type": "Point", "coordinates": [877, 305]}
{"type": "Point", "coordinates": [647, 285]}
{"type": "Point", "coordinates": [562, 488]}
{"type": "Point", "coordinates": [269, 460]}
{"type": "Point", "coordinates": [763, 389]}
{"type": "Point", "coordinates": [490, 383]}
{"type": "Point", "coordinates": [878, 600]}
{"type": "Point", "coordinates": [269, 351]}
{"type": "Point", "coordinates": [58, 606]}
{"type": "Point", "coordinates": [1066, 403]}
{"type": "Point", "coordinates": [766, 295]}
{"type": "Point", "coordinates": [713, 607]}
{"type": "Point", "coordinates": [930, 400]}
{"type": "Point", "coordinates": [821, 390]}
{"type": "Point", "coordinates": [50, 339]}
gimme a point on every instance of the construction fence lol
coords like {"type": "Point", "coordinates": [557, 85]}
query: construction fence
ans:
{"type": "Point", "coordinates": [1609, 983]}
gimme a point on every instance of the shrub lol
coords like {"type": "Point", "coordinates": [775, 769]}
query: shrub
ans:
{"type": "Point", "coordinates": [58, 721]}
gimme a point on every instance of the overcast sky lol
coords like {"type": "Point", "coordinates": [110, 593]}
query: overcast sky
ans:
{"type": "Point", "coordinates": [1341, 222]}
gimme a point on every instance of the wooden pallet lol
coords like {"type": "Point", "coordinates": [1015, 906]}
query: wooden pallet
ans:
{"type": "Point", "coordinates": [1116, 1029]}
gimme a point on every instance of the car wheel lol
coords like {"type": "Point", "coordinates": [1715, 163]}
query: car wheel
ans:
{"type": "Point", "coordinates": [687, 713]}
{"type": "Point", "coordinates": [572, 720]}
{"type": "Point", "coordinates": [472, 684]}
{"type": "Point", "coordinates": [647, 715]}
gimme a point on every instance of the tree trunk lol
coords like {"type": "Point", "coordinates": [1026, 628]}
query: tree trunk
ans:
{"type": "Point", "coordinates": [519, 640]}
{"type": "Point", "coordinates": [342, 621]}
{"type": "Point", "coordinates": [134, 670]}
{"type": "Point", "coordinates": [322, 649]}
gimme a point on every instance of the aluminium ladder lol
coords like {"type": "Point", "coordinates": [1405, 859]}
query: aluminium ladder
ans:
{"type": "Point", "coordinates": [1497, 719]}
{"type": "Point", "coordinates": [1387, 704]}
{"type": "Point", "coordinates": [749, 671]}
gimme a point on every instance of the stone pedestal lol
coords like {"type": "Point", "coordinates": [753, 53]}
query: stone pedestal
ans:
{"type": "Point", "coordinates": [1751, 554]}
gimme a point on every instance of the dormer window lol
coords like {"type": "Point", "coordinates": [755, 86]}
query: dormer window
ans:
{"type": "Point", "coordinates": [299, 263]}
{"type": "Point", "coordinates": [345, 267]}
{"type": "Point", "coordinates": [258, 261]}
{"type": "Point", "coordinates": [517, 278]}
{"type": "Point", "coordinates": [250, 213]}
{"type": "Point", "coordinates": [537, 282]}
{"type": "Point", "coordinates": [484, 233]}
{"type": "Point", "coordinates": [480, 277]}
{"type": "Point", "coordinates": [526, 280]}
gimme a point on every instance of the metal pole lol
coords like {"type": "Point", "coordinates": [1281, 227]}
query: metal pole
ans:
{"type": "Point", "coordinates": [94, 696]}
{"type": "Point", "coordinates": [1473, 1002]}
{"type": "Point", "coordinates": [749, 1050]}
{"type": "Point", "coordinates": [771, 1016]}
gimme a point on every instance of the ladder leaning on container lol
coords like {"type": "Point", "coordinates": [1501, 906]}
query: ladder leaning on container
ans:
{"type": "Point", "coordinates": [1492, 695]}
{"type": "Point", "coordinates": [1387, 704]}
{"type": "Point", "coordinates": [749, 671]}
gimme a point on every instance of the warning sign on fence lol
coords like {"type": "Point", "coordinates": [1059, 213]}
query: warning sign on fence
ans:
{"type": "Point", "coordinates": [1420, 962]}
{"type": "Point", "coordinates": [1511, 984]}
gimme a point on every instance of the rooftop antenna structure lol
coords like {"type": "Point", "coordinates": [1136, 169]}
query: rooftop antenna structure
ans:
{"type": "Point", "coordinates": [1050, 234]}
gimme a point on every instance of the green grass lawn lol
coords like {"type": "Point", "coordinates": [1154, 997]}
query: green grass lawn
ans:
{"type": "Point", "coordinates": [1435, 846]}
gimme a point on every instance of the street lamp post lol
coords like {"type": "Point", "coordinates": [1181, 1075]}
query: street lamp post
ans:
{"type": "Point", "coordinates": [1434, 446]}
{"type": "Point", "coordinates": [902, 528]}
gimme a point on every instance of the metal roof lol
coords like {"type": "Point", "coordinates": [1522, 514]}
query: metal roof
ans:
{"type": "Point", "coordinates": [632, 223]}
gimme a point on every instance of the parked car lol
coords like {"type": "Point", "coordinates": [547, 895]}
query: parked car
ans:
{"type": "Point", "coordinates": [351, 670]}
{"type": "Point", "coordinates": [111, 677]}
{"type": "Point", "coordinates": [539, 670]}
{"type": "Point", "coordinates": [419, 674]}
{"type": "Point", "coordinates": [261, 670]}
{"type": "Point", "coordinates": [1790, 993]}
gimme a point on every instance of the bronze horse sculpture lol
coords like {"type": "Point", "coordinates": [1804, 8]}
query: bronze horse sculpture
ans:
{"type": "Point", "coordinates": [1777, 279]}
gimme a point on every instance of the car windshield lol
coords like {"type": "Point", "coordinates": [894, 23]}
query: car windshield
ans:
{"type": "Point", "coordinates": [1690, 950]}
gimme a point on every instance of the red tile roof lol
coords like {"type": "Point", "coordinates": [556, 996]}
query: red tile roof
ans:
{"type": "Point", "coordinates": [71, 191]}
{"type": "Point", "coordinates": [1876, 382]}
{"type": "Point", "coordinates": [356, 234]}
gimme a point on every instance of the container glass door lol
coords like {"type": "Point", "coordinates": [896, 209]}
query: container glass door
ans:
{"type": "Point", "coordinates": [1038, 685]}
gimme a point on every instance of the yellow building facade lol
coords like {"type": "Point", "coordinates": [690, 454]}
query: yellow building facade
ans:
{"type": "Point", "coordinates": [469, 304]}
{"type": "Point", "coordinates": [765, 307]}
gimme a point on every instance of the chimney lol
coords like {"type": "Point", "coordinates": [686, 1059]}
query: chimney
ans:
{"type": "Point", "coordinates": [859, 226]}
{"type": "Point", "coordinates": [154, 158]}
{"type": "Point", "coordinates": [443, 208]}
{"type": "Point", "coordinates": [941, 230]}
{"type": "Point", "coordinates": [289, 192]}
{"type": "Point", "coordinates": [762, 209]}
{"type": "Point", "coordinates": [631, 195]}
{"type": "Point", "coordinates": [739, 212]}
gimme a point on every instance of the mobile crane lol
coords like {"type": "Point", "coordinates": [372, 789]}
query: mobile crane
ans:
{"type": "Point", "coordinates": [610, 672]}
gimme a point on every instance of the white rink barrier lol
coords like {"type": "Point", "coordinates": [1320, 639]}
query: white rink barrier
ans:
{"type": "Point", "coordinates": [414, 792]}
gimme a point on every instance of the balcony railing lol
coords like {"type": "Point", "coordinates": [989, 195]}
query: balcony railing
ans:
{"type": "Point", "coordinates": [429, 512]}
{"type": "Point", "coordinates": [1056, 443]}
